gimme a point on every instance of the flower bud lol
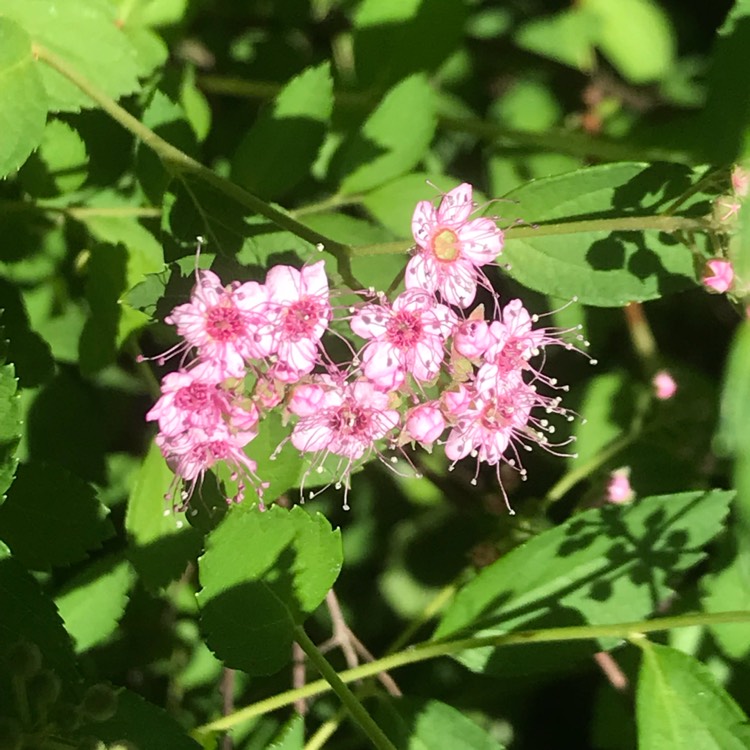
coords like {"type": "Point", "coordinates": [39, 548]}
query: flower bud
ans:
{"type": "Point", "coordinates": [664, 385]}
{"type": "Point", "coordinates": [718, 275]}
{"type": "Point", "coordinates": [425, 423]}
{"type": "Point", "coordinates": [471, 339]}
{"type": "Point", "coordinates": [99, 702]}
{"type": "Point", "coordinates": [619, 490]}
{"type": "Point", "coordinates": [24, 660]}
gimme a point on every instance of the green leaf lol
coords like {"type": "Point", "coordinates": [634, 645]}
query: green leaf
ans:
{"type": "Point", "coordinates": [734, 425]}
{"type": "Point", "coordinates": [105, 282]}
{"type": "Point", "coordinates": [728, 588]}
{"type": "Point", "coordinates": [160, 542]}
{"type": "Point", "coordinates": [726, 113]}
{"type": "Point", "coordinates": [635, 36]}
{"type": "Point", "coordinates": [566, 37]}
{"type": "Point", "coordinates": [419, 35]}
{"type": "Point", "coordinates": [278, 151]}
{"type": "Point", "coordinates": [59, 166]}
{"type": "Point", "coordinates": [10, 427]}
{"type": "Point", "coordinates": [431, 725]}
{"type": "Point", "coordinates": [43, 500]}
{"type": "Point", "coordinates": [607, 565]}
{"type": "Point", "coordinates": [291, 736]}
{"type": "Point", "coordinates": [601, 267]}
{"type": "Point", "coordinates": [92, 603]}
{"type": "Point", "coordinates": [138, 723]}
{"type": "Point", "coordinates": [107, 58]}
{"type": "Point", "coordinates": [608, 405]}
{"type": "Point", "coordinates": [680, 705]}
{"type": "Point", "coordinates": [23, 106]}
{"type": "Point", "coordinates": [252, 602]}
{"type": "Point", "coordinates": [393, 139]}
{"type": "Point", "coordinates": [393, 204]}
{"type": "Point", "coordinates": [29, 615]}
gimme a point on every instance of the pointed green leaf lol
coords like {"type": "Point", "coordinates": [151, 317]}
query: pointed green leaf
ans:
{"type": "Point", "coordinates": [138, 723]}
{"type": "Point", "coordinates": [607, 565]}
{"type": "Point", "coordinates": [44, 499]}
{"type": "Point", "coordinates": [29, 615]}
{"type": "Point", "coordinates": [680, 706]}
{"type": "Point", "coordinates": [278, 151]}
{"type": "Point", "coordinates": [392, 140]}
{"type": "Point", "coordinates": [107, 59]}
{"type": "Point", "coordinates": [23, 103]}
{"type": "Point", "coordinates": [92, 603]}
{"type": "Point", "coordinates": [262, 574]}
{"type": "Point", "coordinates": [291, 736]}
{"type": "Point", "coordinates": [160, 540]}
{"type": "Point", "coordinates": [566, 37]}
{"type": "Point", "coordinates": [600, 266]}
{"type": "Point", "coordinates": [431, 725]}
{"type": "Point", "coordinates": [10, 427]}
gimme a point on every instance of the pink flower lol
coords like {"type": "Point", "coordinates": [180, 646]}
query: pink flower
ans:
{"type": "Point", "coordinates": [664, 385]}
{"type": "Point", "coordinates": [619, 490]}
{"type": "Point", "coordinates": [408, 337]}
{"type": "Point", "coordinates": [345, 419]}
{"type": "Point", "coordinates": [451, 247]}
{"type": "Point", "coordinates": [189, 398]}
{"type": "Point", "coordinates": [225, 324]}
{"type": "Point", "coordinates": [425, 423]}
{"type": "Point", "coordinates": [492, 419]}
{"type": "Point", "coordinates": [719, 275]}
{"type": "Point", "coordinates": [299, 305]}
{"type": "Point", "coordinates": [194, 451]}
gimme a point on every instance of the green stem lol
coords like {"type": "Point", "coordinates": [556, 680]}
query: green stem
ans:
{"type": "Point", "coordinates": [433, 649]}
{"type": "Point", "coordinates": [355, 708]}
{"type": "Point", "coordinates": [324, 732]}
{"type": "Point", "coordinates": [179, 163]}
{"type": "Point", "coordinates": [670, 224]}
{"type": "Point", "coordinates": [559, 140]}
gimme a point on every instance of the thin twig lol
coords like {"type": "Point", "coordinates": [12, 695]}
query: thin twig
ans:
{"type": "Point", "coordinates": [299, 676]}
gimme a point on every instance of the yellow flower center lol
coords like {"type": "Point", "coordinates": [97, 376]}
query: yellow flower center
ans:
{"type": "Point", "coordinates": [445, 245]}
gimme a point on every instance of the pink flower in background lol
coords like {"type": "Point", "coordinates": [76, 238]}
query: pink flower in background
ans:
{"type": "Point", "coordinates": [719, 275]}
{"type": "Point", "coordinates": [300, 309]}
{"type": "Point", "coordinates": [664, 385]}
{"type": "Point", "coordinates": [619, 490]}
{"type": "Point", "coordinates": [408, 337]}
{"type": "Point", "coordinates": [225, 324]}
{"type": "Point", "coordinates": [740, 181]}
{"type": "Point", "coordinates": [425, 423]}
{"type": "Point", "coordinates": [451, 247]}
{"type": "Point", "coordinates": [344, 419]}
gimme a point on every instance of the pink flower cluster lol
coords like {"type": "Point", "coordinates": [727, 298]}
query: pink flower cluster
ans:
{"type": "Point", "coordinates": [421, 366]}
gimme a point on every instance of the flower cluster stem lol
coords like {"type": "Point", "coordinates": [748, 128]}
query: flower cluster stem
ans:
{"type": "Point", "coordinates": [180, 164]}
{"type": "Point", "coordinates": [433, 649]}
{"type": "Point", "coordinates": [355, 708]}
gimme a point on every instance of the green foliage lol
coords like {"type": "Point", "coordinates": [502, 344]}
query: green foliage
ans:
{"type": "Point", "coordinates": [251, 605]}
{"type": "Point", "coordinates": [601, 267]}
{"type": "Point", "coordinates": [92, 603]}
{"type": "Point", "coordinates": [291, 737]}
{"type": "Point", "coordinates": [22, 105]}
{"type": "Point", "coordinates": [43, 499]}
{"type": "Point", "coordinates": [680, 705]}
{"type": "Point", "coordinates": [161, 543]}
{"type": "Point", "coordinates": [606, 565]}
{"type": "Point", "coordinates": [419, 725]}
{"type": "Point", "coordinates": [392, 140]}
{"type": "Point", "coordinates": [10, 427]}
{"type": "Point", "coordinates": [277, 152]}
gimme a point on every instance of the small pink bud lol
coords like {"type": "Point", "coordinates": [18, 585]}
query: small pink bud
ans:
{"type": "Point", "coordinates": [456, 402]}
{"type": "Point", "coordinates": [664, 385]}
{"type": "Point", "coordinates": [619, 490]}
{"type": "Point", "coordinates": [740, 181]}
{"type": "Point", "coordinates": [718, 275]}
{"type": "Point", "coordinates": [471, 338]}
{"type": "Point", "coordinates": [425, 423]}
